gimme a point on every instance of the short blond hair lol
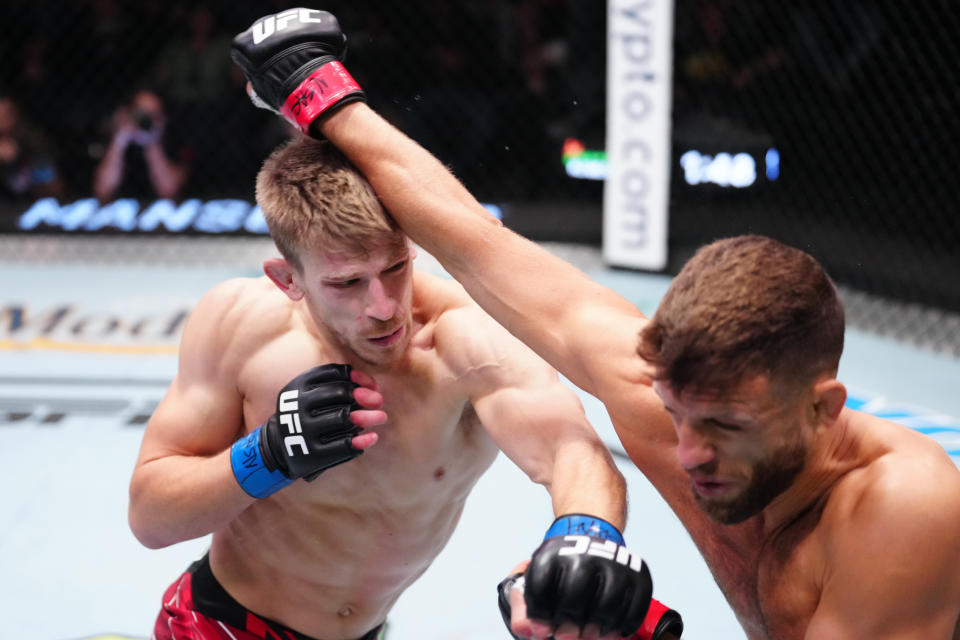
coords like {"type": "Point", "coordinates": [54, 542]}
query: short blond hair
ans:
{"type": "Point", "coordinates": [311, 194]}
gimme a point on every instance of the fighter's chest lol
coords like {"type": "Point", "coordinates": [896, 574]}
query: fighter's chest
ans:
{"type": "Point", "coordinates": [425, 411]}
{"type": "Point", "coordinates": [407, 390]}
{"type": "Point", "coordinates": [426, 418]}
{"type": "Point", "coordinates": [772, 585]}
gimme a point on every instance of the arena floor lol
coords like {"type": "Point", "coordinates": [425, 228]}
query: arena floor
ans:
{"type": "Point", "coordinates": [88, 335]}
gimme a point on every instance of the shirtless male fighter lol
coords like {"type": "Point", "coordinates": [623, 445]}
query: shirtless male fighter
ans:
{"type": "Point", "coordinates": [816, 520]}
{"type": "Point", "coordinates": [311, 539]}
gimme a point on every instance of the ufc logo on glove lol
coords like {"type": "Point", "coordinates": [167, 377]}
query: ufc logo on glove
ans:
{"type": "Point", "coordinates": [608, 549]}
{"type": "Point", "coordinates": [310, 432]}
{"type": "Point", "coordinates": [291, 420]}
{"type": "Point", "coordinates": [265, 28]}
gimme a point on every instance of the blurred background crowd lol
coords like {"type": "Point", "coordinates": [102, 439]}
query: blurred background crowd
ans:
{"type": "Point", "coordinates": [856, 101]}
{"type": "Point", "coordinates": [86, 84]}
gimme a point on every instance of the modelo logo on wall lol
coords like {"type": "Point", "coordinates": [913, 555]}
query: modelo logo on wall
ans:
{"type": "Point", "coordinates": [129, 215]}
{"type": "Point", "coordinates": [69, 326]}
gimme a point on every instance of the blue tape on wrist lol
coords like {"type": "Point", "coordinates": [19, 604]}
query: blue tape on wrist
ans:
{"type": "Point", "coordinates": [249, 469]}
{"type": "Point", "coordinates": [581, 525]}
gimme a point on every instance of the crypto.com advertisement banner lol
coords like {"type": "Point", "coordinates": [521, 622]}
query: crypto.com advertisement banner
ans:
{"type": "Point", "coordinates": [639, 77]}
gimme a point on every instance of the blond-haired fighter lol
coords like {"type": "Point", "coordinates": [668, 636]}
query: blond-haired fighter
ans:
{"type": "Point", "coordinates": [329, 491]}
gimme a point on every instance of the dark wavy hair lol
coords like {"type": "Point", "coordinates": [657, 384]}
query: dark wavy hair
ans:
{"type": "Point", "coordinates": [745, 306]}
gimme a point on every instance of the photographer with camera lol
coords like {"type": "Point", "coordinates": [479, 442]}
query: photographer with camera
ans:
{"type": "Point", "coordinates": [141, 160]}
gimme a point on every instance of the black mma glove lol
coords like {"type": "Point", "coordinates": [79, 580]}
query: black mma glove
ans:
{"type": "Point", "coordinates": [292, 60]}
{"type": "Point", "coordinates": [659, 621]}
{"type": "Point", "coordinates": [583, 574]}
{"type": "Point", "coordinates": [310, 432]}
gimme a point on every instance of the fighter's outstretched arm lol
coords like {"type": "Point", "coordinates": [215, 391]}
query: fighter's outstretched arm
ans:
{"type": "Point", "coordinates": [586, 331]}
{"type": "Point", "coordinates": [540, 424]}
{"type": "Point", "coordinates": [576, 324]}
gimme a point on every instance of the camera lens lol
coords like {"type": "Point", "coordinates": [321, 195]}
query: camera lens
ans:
{"type": "Point", "coordinates": [144, 120]}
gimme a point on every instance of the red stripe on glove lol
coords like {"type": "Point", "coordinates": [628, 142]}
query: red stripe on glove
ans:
{"type": "Point", "coordinates": [321, 90]}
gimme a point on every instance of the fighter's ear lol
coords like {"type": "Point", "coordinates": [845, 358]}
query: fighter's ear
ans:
{"type": "Point", "coordinates": [282, 273]}
{"type": "Point", "coordinates": [829, 397]}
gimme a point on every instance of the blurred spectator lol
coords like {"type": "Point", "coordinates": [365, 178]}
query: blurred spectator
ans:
{"type": "Point", "coordinates": [106, 61]}
{"type": "Point", "coordinates": [704, 68]}
{"type": "Point", "coordinates": [145, 158]}
{"type": "Point", "coordinates": [374, 47]}
{"type": "Point", "coordinates": [585, 71]}
{"type": "Point", "coordinates": [455, 110]}
{"type": "Point", "coordinates": [39, 89]}
{"type": "Point", "coordinates": [542, 45]}
{"type": "Point", "coordinates": [201, 86]}
{"type": "Point", "coordinates": [730, 57]}
{"type": "Point", "coordinates": [33, 85]}
{"type": "Point", "coordinates": [27, 167]}
{"type": "Point", "coordinates": [194, 70]}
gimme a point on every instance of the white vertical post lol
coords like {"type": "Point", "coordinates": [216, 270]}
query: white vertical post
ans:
{"type": "Point", "coordinates": [639, 81]}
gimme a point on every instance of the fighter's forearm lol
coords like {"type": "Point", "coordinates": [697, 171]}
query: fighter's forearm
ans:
{"type": "Point", "coordinates": [179, 498]}
{"type": "Point", "coordinates": [587, 481]}
{"type": "Point", "coordinates": [430, 204]}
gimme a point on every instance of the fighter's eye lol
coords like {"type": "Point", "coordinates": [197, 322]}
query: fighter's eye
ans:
{"type": "Point", "coordinates": [726, 426]}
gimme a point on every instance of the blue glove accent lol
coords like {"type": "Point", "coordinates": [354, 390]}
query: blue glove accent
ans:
{"type": "Point", "coordinates": [249, 469]}
{"type": "Point", "coordinates": [583, 525]}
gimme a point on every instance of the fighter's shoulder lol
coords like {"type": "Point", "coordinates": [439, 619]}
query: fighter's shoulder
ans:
{"type": "Point", "coordinates": [916, 477]}
{"type": "Point", "coordinates": [437, 293]}
{"type": "Point", "coordinates": [445, 304]}
{"type": "Point", "coordinates": [240, 303]}
{"type": "Point", "coordinates": [913, 482]}
{"type": "Point", "coordinates": [470, 342]}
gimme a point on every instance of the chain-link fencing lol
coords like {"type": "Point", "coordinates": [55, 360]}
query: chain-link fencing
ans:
{"type": "Point", "coordinates": [844, 112]}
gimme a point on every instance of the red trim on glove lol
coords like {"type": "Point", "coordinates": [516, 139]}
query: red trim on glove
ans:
{"type": "Point", "coordinates": [321, 90]}
{"type": "Point", "coordinates": [654, 613]}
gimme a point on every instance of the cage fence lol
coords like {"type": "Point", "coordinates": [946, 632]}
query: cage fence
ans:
{"type": "Point", "coordinates": [830, 126]}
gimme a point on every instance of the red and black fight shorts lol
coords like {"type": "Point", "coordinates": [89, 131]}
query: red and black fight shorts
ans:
{"type": "Point", "coordinates": [197, 607]}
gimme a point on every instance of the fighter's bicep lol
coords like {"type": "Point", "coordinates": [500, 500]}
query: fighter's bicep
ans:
{"type": "Point", "coordinates": [606, 358]}
{"type": "Point", "coordinates": [193, 419]}
{"type": "Point", "coordinates": [531, 421]}
{"type": "Point", "coordinates": [520, 399]}
{"type": "Point", "coordinates": [201, 412]}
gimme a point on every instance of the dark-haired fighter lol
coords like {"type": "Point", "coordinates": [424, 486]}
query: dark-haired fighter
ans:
{"type": "Point", "coordinates": [817, 521]}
